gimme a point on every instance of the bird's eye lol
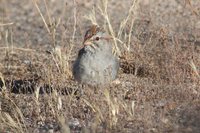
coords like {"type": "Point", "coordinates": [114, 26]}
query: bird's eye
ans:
{"type": "Point", "coordinates": [97, 38]}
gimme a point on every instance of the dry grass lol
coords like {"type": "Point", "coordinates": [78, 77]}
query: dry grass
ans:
{"type": "Point", "coordinates": [159, 89]}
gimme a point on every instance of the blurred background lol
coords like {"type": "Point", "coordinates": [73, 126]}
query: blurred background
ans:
{"type": "Point", "coordinates": [177, 17]}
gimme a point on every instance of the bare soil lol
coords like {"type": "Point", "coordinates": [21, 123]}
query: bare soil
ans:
{"type": "Point", "coordinates": [159, 89]}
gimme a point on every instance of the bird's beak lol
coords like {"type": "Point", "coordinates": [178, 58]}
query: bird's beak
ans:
{"type": "Point", "coordinates": [108, 38]}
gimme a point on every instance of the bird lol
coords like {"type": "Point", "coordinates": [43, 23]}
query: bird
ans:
{"type": "Point", "coordinates": [96, 65]}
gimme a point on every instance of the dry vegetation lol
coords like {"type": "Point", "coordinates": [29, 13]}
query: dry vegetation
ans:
{"type": "Point", "coordinates": [158, 45]}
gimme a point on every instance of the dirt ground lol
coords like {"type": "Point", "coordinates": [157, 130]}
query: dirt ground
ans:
{"type": "Point", "coordinates": [159, 67]}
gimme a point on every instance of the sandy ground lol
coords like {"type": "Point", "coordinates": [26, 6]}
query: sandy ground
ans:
{"type": "Point", "coordinates": [159, 81]}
